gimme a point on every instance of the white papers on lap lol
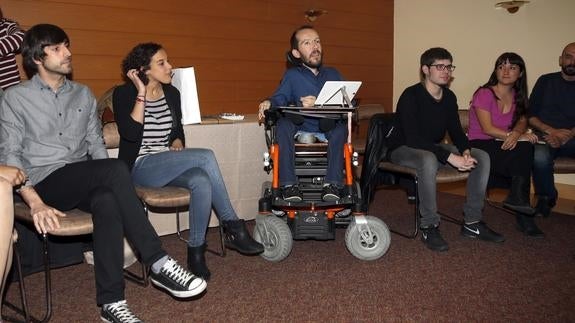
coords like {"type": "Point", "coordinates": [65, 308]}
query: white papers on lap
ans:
{"type": "Point", "coordinates": [184, 79]}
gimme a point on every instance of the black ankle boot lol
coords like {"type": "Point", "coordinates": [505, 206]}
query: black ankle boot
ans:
{"type": "Point", "coordinates": [526, 224]}
{"type": "Point", "coordinates": [544, 206]}
{"type": "Point", "coordinates": [238, 238]}
{"type": "Point", "coordinates": [197, 262]}
{"type": "Point", "coordinates": [518, 198]}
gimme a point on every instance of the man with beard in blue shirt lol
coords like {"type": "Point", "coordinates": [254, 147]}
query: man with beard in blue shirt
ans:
{"type": "Point", "coordinates": [300, 86]}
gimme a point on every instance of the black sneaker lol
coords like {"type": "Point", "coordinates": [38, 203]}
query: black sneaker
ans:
{"type": "Point", "coordinates": [118, 312]}
{"type": "Point", "coordinates": [330, 193]}
{"type": "Point", "coordinates": [178, 281]}
{"type": "Point", "coordinates": [544, 206]}
{"type": "Point", "coordinates": [433, 240]}
{"type": "Point", "coordinates": [292, 193]}
{"type": "Point", "coordinates": [480, 230]}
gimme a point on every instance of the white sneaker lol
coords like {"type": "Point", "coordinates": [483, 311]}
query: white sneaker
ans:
{"type": "Point", "coordinates": [118, 313]}
{"type": "Point", "coordinates": [177, 280]}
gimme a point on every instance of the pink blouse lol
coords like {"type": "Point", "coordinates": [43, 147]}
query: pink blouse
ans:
{"type": "Point", "coordinates": [485, 99]}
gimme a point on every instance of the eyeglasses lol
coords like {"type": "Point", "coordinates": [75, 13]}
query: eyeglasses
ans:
{"type": "Point", "coordinates": [442, 67]}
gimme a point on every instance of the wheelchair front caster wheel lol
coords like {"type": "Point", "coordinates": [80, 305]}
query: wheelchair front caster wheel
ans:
{"type": "Point", "coordinates": [367, 238]}
{"type": "Point", "coordinates": [276, 237]}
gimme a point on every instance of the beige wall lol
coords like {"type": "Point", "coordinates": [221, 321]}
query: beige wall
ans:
{"type": "Point", "coordinates": [475, 32]}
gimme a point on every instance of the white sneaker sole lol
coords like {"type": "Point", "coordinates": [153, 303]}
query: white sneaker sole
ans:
{"type": "Point", "coordinates": [182, 294]}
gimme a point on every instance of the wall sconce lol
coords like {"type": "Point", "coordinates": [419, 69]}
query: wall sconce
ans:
{"type": "Point", "coordinates": [511, 6]}
{"type": "Point", "coordinates": [312, 14]}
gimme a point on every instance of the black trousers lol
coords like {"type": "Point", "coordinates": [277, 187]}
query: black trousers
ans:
{"type": "Point", "coordinates": [104, 188]}
{"type": "Point", "coordinates": [507, 163]}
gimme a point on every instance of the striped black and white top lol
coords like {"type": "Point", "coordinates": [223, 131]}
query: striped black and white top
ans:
{"type": "Point", "coordinates": [11, 37]}
{"type": "Point", "coordinates": [157, 127]}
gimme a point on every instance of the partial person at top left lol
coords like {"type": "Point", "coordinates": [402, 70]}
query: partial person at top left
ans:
{"type": "Point", "coordinates": [11, 37]}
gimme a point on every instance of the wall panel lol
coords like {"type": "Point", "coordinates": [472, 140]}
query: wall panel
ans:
{"type": "Point", "coordinates": [236, 46]}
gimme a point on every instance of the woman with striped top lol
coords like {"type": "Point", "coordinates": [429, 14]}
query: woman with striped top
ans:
{"type": "Point", "coordinates": [147, 111]}
{"type": "Point", "coordinates": [11, 37]}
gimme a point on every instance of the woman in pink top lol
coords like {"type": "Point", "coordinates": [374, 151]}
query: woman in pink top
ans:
{"type": "Point", "coordinates": [498, 125]}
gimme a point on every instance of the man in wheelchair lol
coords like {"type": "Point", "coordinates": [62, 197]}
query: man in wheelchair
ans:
{"type": "Point", "coordinates": [309, 195]}
{"type": "Point", "coordinates": [299, 87]}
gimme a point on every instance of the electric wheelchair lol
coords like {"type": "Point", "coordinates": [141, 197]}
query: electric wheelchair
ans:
{"type": "Point", "coordinates": [279, 222]}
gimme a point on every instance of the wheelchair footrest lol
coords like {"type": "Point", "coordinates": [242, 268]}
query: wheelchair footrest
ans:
{"type": "Point", "coordinates": [312, 225]}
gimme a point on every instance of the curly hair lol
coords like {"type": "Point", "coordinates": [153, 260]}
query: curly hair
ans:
{"type": "Point", "coordinates": [139, 58]}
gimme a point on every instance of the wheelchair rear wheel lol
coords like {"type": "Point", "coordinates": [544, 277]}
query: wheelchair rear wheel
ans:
{"type": "Point", "coordinates": [367, 238]}
{"type": "Point", "coordinates": [276, 237]}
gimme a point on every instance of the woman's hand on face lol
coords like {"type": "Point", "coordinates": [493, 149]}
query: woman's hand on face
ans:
{"type": "Point", "coordinates": [177, 145]}
{"type": "Point", "coordinates": [133, 75]}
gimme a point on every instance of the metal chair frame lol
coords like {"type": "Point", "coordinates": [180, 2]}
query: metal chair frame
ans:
{"type": "Point", "coordinates": [443, 176]}
{"type": "Point", "coordinates": [22, 213]}
{"type": "Point", "coordinates": [147, 205]}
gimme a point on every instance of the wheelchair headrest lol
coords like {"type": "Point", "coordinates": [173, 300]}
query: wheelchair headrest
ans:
{"type": "Point", "coordinates": [292, 61]}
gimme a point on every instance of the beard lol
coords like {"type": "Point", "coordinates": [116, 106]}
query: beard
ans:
{"type": "Point", "coordinates": [62, 69]}
{"type": "Point", "coordinates": [313, 63]}
{"type": "Point", "coordinates": [568, 70]}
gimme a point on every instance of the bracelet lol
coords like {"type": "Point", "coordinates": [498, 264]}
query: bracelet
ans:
{"type": "Point", "coordinates": [25, 185]}
{"type": "Point", "coordinates": [139, 99]}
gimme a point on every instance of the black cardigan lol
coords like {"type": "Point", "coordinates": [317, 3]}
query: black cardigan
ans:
{"type": "Point", "coordinates": [131, 131]}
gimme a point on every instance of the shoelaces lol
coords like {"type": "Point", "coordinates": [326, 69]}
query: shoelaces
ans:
{"type": "Point", "coordinates": [122, 312]}
{"type": "Point", "coordinates": [177, 272]}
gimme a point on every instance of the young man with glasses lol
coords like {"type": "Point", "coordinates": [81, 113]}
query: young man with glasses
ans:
{"type": "Point", "coordinates": [425, 112]}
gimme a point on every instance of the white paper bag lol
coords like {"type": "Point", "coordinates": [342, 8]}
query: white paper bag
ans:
{"type": "Point", "coordinates": [184, 79]}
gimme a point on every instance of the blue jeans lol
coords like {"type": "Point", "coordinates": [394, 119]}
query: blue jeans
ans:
{"type": "Point", "coordinates": [197, 170]}
{"type": "Point", "coordinates": [426, 165]}
{"type": "Point", "coordinates": [285, 133]}
{"type": "Point", "coordinates": [543, 161]}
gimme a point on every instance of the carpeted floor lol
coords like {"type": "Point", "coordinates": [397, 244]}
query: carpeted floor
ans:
{"type": "Point", "coordinates": [521, 280]}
